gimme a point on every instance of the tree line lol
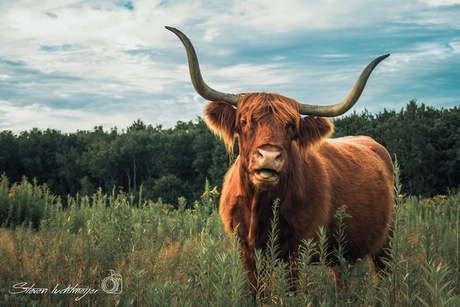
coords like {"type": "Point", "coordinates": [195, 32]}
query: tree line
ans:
{"type": "Point", "coordinates": [163, 163]}
{"type": "Point", "coordinates": [168, 163]}
{"type": "Point", "coordinates": [424, 140]}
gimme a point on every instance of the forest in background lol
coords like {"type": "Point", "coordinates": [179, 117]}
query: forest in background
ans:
{"type": "Point", "coordinates": [173, 162]}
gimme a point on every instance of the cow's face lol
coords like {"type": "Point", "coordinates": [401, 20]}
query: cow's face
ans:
{"type": "Point", "coordinates": [269, 129]}
{"type": "Point", "coordinates": [271, 132]}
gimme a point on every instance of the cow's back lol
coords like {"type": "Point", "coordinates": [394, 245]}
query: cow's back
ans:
{"type": "Point", "coordinates": [361, 177]}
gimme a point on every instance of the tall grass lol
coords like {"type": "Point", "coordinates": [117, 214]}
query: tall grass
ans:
{"type": "Point", "coordinates": [182, 257]}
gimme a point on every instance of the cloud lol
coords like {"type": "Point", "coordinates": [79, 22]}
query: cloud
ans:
{"type": "Point", "coordinates": [112, 62]}
{"type": "Point", "coordinates": [14, 117]}
{"type": "Point", "coordinates": [299, 16]}
{"type": "Point", "coordinates": [443, 2]}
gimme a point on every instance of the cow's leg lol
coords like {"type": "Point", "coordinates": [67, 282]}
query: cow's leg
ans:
{"type": "Point", "coordinates": [249, 263]}
{"type": "Point", "coordinates": [379, 259]}
{"type": "Point", "coordinates": [249, 267]}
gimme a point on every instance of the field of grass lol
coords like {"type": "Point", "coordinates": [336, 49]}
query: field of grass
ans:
{"type": "Point", "coordinates": [55, 256]}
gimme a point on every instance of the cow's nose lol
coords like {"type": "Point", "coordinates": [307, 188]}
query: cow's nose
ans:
{"type": "Point", "coordinates": [269, 159]}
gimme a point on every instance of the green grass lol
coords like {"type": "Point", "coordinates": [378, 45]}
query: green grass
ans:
{"type": "Point", "coordinates": [182, 257]}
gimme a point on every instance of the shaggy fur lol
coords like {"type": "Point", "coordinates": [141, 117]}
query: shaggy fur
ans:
{"type": "Point", "coordinates": [318, 176]}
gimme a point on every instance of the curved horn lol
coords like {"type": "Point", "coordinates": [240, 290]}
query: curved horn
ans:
{"type": "Point", "coordinates": [195, 74]}
{"type": "Point", "coordinates": [349, 101]}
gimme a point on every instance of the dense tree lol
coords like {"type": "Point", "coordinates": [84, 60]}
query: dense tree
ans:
{"type": "Point", "coordinates": [10, 157]}
{"type": "Point", "coordinates": [99, 159]}
{"type": "Point", "coordinates": [425, 140]}
{"type": "Point", "coordinates": [37, 150]}
{"type": "Point", "coordinates": [169, 188]}
{"type": "Point", "coordinates": [177, 161]}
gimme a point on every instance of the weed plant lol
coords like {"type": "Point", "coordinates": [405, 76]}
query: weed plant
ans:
{"type": "Point", "coordinates": [182, 257]}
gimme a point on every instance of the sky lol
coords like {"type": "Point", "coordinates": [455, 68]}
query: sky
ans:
{"type": "Point", "coordinates": [73, 65]}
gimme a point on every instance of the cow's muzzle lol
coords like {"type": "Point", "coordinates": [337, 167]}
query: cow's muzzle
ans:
{"type": "Point", "coordinates": [266, 166]}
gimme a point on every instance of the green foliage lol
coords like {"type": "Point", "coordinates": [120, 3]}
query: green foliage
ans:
{"type": "Point", "coordinates": [167, 163]}
{"type": "Point", "coordinates": [426, 141]}
{"type": "Point", "coordinates": [438, 283]}
{"type": "Point", "coordinates": [182, 257]}
{"type": "Point", "coordinates": [26, 203]}
{"type": "Point", "coordinates": [270, 270]}
{"type": "Point", "coordinates": [174, 162]}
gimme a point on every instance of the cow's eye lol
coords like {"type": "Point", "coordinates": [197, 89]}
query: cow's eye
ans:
{"type": "Point", "coordinates": [291, 127]}
{"type": "Point", "coordinates": [243, 123]}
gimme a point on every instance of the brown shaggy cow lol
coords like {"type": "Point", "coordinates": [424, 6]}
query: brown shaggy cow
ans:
{"type": "Point", "coordinates": [285, 156]}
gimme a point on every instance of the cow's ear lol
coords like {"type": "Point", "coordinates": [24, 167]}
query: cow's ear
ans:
{"type": "Point", "coordinates": [221, 119]}
{"type": "Point", "coordinates": [314, 129]}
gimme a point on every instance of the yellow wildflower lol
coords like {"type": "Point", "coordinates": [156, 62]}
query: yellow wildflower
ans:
{"type": "Point", "coordinates": [214, 191]}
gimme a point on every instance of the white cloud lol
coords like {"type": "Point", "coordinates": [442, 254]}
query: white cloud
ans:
{"type": "Point", "coordinates": [299, 15]}
{"type": "Point", "coordinates": [16, 117]}
{"type": "Point", "coordinates": [115, 63]}
{"type": "Point", "coordinates": [442, 2]}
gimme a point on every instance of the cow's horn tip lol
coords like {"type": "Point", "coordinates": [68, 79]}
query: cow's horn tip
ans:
{"type": "Point", "coordinates": [170, 28]}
